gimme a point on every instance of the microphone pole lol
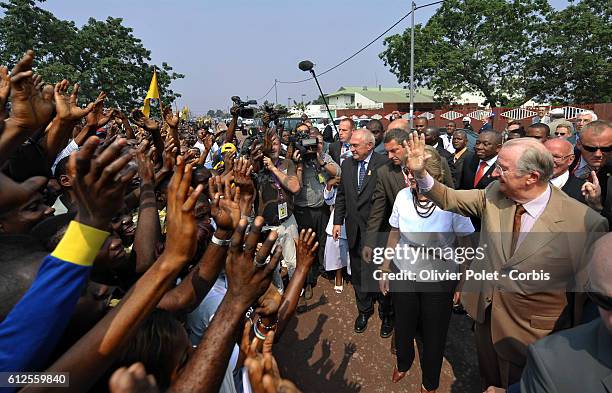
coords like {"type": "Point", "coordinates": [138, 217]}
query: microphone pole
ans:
{"type": "Point", "coordinates": [307, 65]}
{"type": "Point", "coordinates": [324, 100]}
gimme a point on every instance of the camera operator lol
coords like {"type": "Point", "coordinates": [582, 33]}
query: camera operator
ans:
{"type": "Point", "coordinates": [277, 183]}
{"type": "Point", "coordinates": [314, 168]}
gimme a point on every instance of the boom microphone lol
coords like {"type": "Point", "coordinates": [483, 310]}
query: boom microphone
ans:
{"type": "Point", "coordinates": [305, 65]}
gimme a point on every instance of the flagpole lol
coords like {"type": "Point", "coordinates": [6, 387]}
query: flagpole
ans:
{"type": "Point", "coordinates": [161, 108]}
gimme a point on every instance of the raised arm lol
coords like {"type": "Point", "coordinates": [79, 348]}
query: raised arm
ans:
{"type": "Point", "coordinates": [88, 359]}
{"type": "Point", "coordinates": [148, 230]}
{"type": "Point", "coordinates": [246, 283]}
{"type": "Point", "coordinates": [464, 202]}
{"type": "Point", "coordinates": [32, 329]}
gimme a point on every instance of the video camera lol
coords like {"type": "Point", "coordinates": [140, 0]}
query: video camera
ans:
{"type": "Point", "coordinates": [303, 143]}
{"type": "Point", "coordinates": [273, 113]}
{"type": "Point", "coordinates": [252, 135]}
{"type": "Point", "coordinates": [245, 111]}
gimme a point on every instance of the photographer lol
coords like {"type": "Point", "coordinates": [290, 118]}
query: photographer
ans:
{"type": "Point", "coordinates": [276, 185]}
{"type": "Point", "coordinates": [314, 169]}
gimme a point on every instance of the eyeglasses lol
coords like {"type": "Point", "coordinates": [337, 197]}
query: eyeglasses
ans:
{"type": "Point", "coordinates": [601, 300]}
{"type": "Point", "coordinates": [593, 149]}
{"type": "Point", "coordinates": [559, 159]}
{"type": "Point", "coordinates": [501, 170]}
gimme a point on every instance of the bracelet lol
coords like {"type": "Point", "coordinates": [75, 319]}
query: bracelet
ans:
{"type": "Point", "coordinates": [268, 328]}
{"type": "Point", "coordinates": [219, 242]}
{"type": "Point", "coordinates": [385, 269]}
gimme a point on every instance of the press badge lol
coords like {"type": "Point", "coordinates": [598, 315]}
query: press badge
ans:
{"type": "Point", "coordinates": [321, 178]}
{"type": "Point", "coordinates": [282, 211]}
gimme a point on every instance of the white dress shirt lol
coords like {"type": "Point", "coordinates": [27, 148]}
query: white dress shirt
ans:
{"type": "Point", "coordinates": [560, 180]}
{"type": "Point", "coordinates": [533, 208]}
{"type": "Point", "coordinates": [367, 163]}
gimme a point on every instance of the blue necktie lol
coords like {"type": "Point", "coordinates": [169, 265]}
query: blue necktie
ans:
{"type": "Point", "coordinates": [361, 175]}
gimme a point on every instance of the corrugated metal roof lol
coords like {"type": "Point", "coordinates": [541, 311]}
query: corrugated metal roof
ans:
{"type": "Point", "coordinates": [386, 94]}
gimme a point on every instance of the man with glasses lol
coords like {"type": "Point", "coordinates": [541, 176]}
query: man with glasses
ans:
{"type": "Point", "coordinates": [584, 118]}
{"type": "Point", "coordinates": [314, 168]}
{"type": "Point", "coordinates": [562, 361]}
{"type": "Point", "coordinates": [527, 226]}
{"type": "Point", "coordinates": [353, 205]}
{"type": "Point", "coordinates": [594, 144]}
{"type": "Point", "coordinates": [563, 130]}
{"type": "Point", "coordinates": [563, 154]}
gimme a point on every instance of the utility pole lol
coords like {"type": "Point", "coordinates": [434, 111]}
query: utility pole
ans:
{"type": "Point", "coordinates": [288, 102]}
{"type": "Point", "coordinates": [412, 68]}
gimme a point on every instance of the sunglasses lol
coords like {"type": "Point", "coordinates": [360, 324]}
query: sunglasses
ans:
{"type": "Point", "coordinates": [560, 133]}
{"type": "Point", "coordinates": [593, 149]}
{"type": "Point", "coordinates": [601, 300]}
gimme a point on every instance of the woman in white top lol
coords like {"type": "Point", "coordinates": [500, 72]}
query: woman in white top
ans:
{"type": "Point", "coordinates": [426, 239]}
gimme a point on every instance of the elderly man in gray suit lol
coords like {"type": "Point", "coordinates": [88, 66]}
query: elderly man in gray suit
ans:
{"type": "Point", "coordinates": [578, 359]}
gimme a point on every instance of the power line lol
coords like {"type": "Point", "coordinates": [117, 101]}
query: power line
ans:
{"type": "Point", "coordinates": [363, 48]}
{"type": "Point", "coordinates": [265, 95]}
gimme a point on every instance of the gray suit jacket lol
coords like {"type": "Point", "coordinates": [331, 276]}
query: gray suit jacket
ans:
{"type": "Point", "coordinates": [574, 360]}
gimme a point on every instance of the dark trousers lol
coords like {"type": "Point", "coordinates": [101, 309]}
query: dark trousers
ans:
{"type": "Point", "coordinates": [315, 218]}
{"type": "Point", "coordinates": [366, 288]}
{"type": "Point", "coordinates": [424, 307]}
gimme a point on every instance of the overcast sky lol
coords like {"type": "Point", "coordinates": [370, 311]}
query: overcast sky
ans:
{"type": "Point", "coordinates": [239, 47]}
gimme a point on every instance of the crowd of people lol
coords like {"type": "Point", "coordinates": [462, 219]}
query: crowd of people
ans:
{"type": "Point", "coordinates": [144, 255]}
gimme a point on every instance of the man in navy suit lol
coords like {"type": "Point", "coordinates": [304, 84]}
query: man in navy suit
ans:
{"type": "Point", "coordinates": [477, 172]}
{"type": "Point", "coordinates": [353, 204]}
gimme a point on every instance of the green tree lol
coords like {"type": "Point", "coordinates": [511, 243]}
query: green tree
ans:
{"type": "Point", "coordinates": [319, 101]}
{"type": "Point", "coordinates": [101, 55]}
{"type": "Point", "coordinates": [473, 45]}
{"type": "Point", "coordinates": [210, 113]}
{"type": "Point", "coordinates": [575, 65]}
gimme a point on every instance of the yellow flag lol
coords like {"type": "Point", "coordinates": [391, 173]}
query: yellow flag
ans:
{"type": "Point", "coordinates": [152, 93]}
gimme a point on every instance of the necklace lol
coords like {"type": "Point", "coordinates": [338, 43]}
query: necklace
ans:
{"type": "Point", "coordinates": [423, 209]}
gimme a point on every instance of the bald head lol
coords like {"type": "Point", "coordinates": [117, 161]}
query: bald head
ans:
{"type": "Point", "coordinates": [560, 145]}
{"type": "Point", "coordinates": [362, 144]}
{"type": "Point", "coordinates": [563, 154]}
{"type": "Point", "coordinates": [432, 135]}
{"type": "Point", "coordinates": [402, 124]}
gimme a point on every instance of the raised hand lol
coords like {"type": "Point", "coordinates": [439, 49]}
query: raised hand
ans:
{"type": "Point", "coordinates": [5, 87]}
{"type": "Point", "coordinates": [144, 158]}
{"type": "Point", "coordinates": [132, 380]}
{"type": "Point", "coordinates": [181, 239]}
{"type": "Point", "coordinates": [591, 191]}
{"type": "Point", "coordinates": [141, 120]}
{"type": "Point", "coordinates": [264, 374]}
{"type": "Point", "coordinates": [96, 117]}
{"type": "Point", "coordinates": [100, 181]}
{"type": "Point", "coordinates": [242, 176]}
{"type": "Point", "coordinates": [28, 110]}
{"type": "Point", "coordinates": [66, 105]}
{"type": "Point", "coordinates": [246, 281]}
{"type": "Point", "coordinates": [269, 303]}
{"type": "Point", "coordinates": [306, 250]}
{"type": "Point", "coordinates": [171, 118]}
{"type": "Point", "coordinates": [225, 207]}
{"type": "Point", "coordinates": [416, 156]}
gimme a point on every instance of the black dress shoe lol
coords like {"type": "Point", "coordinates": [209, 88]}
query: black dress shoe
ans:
{"type": "Point", "coordinates": [386, 327]}
{"type": "Point", "coordinates": [361, 323]}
